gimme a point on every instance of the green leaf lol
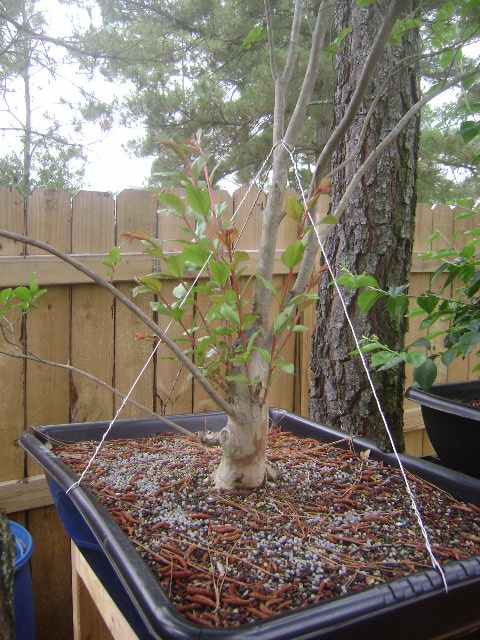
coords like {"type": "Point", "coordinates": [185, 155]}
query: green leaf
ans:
{"type": "Point", "coordinates": [427, 302]}
{"type": "Point", "coordinates": [469, 130]}
{"type": "Point", "coordinates": [6, 295]}
{"type": "Point", "coordinates": [264, 354]}
{"type": "Point", "coordinates": [198, 199]}
{"type": "Point", "coordinates": [365, 3]}
{"type": "Point", "coordinates": [229, 313]}
{"type": "Point", "coordinates": [23, 294]}
{"type": "Point", "coordinates": [346, 280]}
{"type": "Point", "coordinates": [287, 367]}
{"type": "Point", "coordinates": [329, 220]}
{"type": "Point", "coordinates": [367, 299]}
{"type": "Point", "coordinates": [421, 342]}
{"type": "Point", "coordinates": [403, 26]}
{"type": "Point", "coordinates": [175, 265]}
{"type": "Point", "coordinates": [113, 258]}
{"type": "Point", "coordinates": [248, 321]}
{"type": "Point", "coordinates": [150, 283]}
{"type": "Point", "coordinates": [393, 362]}
{"type": "Point", "coordinates": [425, 374]}
{"type": "Point", "coordinates": [293, 254]}
{"type": "Point", "coordinates": [337, 42]}
{"type": "Point", "coordinates": [33, 284]}
{"type": "Point", "coordinates": [371, 347]}
{"type": "Point", "coordinates": [397, 307]}
{"type": "Point", "coordinates": [220, 272]}
{"type": "Point", "coordinates": [283, 319]}
{"type": "Point", "coordinates": [448, 357]}
{"type": "Point", "coordinates": [415, 358]}
{"type": "Point", "coordinates": [196, 253]}
{"type": "Point", "coordinates": [293, 208]}
{"type": "Point", "coordinates": [172, 201]}
{"type": "Point", "coordinates": [254, 36]}
{"type": "Point", "coordinates": [300, 328]}
{"type": "Point", "coordinates": [365, 280]}
{"type": "Point", "coordinates": [381, 358]}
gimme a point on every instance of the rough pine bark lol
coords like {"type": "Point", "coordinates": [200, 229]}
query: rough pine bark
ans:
{"type": "Point", "coordinates": [376, 232]}
{"type": "Point", "coordinates": [7, 557]}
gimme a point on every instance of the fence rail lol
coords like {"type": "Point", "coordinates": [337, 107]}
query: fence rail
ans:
{"type": "Point", "coordinates": [79, 323]}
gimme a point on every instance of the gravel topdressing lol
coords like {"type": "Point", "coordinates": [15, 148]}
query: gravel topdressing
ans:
{"type": "Point", "coordinates": [335, 523]}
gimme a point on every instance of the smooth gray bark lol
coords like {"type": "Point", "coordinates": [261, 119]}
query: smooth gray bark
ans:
{"type": "Point", "coordinates": [376, 234]}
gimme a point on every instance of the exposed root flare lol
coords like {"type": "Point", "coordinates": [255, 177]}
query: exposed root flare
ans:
{"type": "Point", "coordinates": [210, 438]}
{"type": "Point", "coordinates": [271, 472]}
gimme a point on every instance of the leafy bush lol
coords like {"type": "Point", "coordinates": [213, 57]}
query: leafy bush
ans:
{"type": "Point", "coordinates": [455, 318]}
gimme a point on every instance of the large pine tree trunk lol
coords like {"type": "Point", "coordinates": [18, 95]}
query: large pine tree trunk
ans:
{"type": "Point", "coordinates": [375, 235]}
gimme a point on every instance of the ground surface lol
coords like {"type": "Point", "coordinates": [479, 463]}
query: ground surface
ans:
{"type": "Point", "coordinates": [334, 524]}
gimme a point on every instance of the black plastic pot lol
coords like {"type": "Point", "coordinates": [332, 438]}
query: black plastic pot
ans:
{"type": "Point", "coordinates": [452, 426]}
{"type": "Point", "coordinates": [413, 607]}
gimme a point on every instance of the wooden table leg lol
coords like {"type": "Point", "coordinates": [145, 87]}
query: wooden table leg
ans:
{"type": "Point", "coordinates": [95, 614]}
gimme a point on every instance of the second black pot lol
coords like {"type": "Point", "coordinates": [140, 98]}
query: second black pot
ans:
{"type": "Point", "coordinates": [452, 425]}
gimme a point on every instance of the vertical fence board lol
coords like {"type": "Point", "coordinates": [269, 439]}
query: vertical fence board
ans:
{"type": "Point", "coordinates": [306, 349]}
{"type": "Point", "coordinates": [248, 211]}
{"type": "Point", "coordinates": [173, 385]}
{"type": "Point", "coordinates": [443, 219]}
{"type": "Point", "coordinates": [460, 369]}
{"type": "Point", "coordinates": [48, 326]}
{"type": "Point", "coordinates": [48, 336]}
{"type": "Point", "coordinates": [92, 310]}
{"type": "Point", "coordinates": [11, 370]}
{"type": "Point", "coordinates": [281, 392]}
{"type": "Point", "coordinates": [136, 211]}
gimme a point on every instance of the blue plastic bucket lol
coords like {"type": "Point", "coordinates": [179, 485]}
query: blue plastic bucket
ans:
{"type": "Point", "coordinates": [23, 594]}
{"type": "Point", "coordinates": [79, 531]}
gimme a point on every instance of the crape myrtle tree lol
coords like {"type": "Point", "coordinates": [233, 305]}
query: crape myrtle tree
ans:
{"type": "Point", "coordinates": [238, 348]}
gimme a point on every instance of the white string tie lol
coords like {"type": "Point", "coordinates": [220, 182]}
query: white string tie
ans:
{"type": "Point", "coordinates": [426, 537]}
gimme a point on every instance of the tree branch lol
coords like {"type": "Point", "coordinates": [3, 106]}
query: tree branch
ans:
{"type": "Point", "coordinates": [270, 44]}
{"type": "Point", "coordinates": [319, 39]}
{"type": "Point", "coordinates": [293, 45]}
{"type": "Point", "coordinates": [89, 376]}
{"type": "Point", "coordinates": [17, 237]}
{"type": "Point", "coordinates": [324, 230]}
{"type": "Point", "coordinates": [393, 135]}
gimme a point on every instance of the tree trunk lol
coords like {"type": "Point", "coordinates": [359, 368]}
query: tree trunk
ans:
{"type": "Point", "coordinates": [374, 236]}
{"type": "Point", "coordinates": [7, 557]}
{"type": "Point", "coordinates": [243, 464]}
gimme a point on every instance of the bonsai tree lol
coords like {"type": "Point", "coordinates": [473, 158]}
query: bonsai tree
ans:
{"type": "Point", "coordinates": [237, 346]}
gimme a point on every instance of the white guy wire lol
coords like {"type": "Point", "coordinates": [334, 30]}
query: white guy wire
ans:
{"type": "Point", "coordinates": [150, 357]}
{"type": "Point", "coordinates": [433, 559]}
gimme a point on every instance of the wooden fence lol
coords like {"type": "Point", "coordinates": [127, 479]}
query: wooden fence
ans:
{"type": "Point", "coordinates": [80, 324]}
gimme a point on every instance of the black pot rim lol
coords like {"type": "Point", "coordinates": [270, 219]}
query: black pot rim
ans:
{"type": "Point", "coordinates": [437, 399]}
